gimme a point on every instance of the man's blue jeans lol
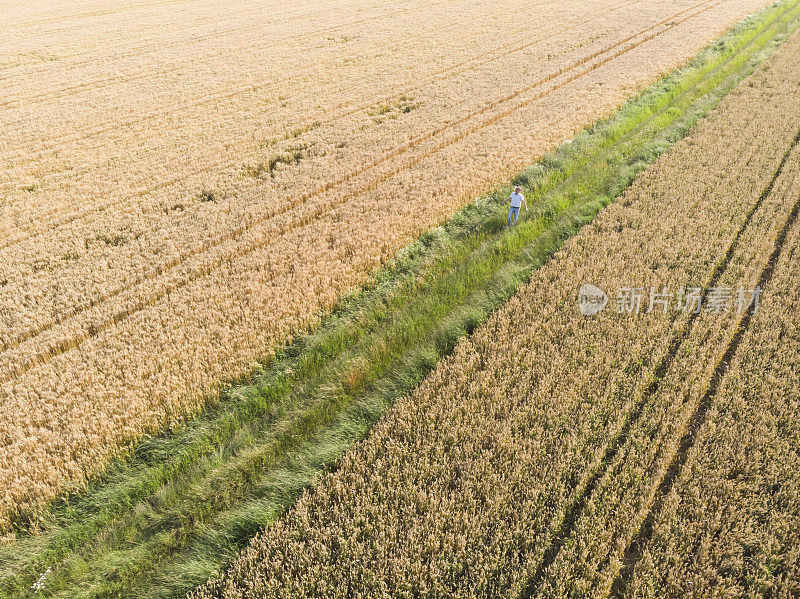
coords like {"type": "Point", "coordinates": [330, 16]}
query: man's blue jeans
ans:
{"type": "Point", "coordinates": [513, 213]}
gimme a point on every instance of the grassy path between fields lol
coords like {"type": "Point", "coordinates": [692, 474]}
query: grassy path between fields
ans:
{"type": "Point", "coordinates": [181, 505]}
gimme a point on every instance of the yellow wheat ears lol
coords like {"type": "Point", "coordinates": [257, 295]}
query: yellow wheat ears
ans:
{"type": "Point", "coordinates": [180, 201]}
{"type": "Point", "coordinates": [554, 454]}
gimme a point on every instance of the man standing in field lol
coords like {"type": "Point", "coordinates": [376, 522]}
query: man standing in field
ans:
{"type": "Point", "coordinates": [517, 200]}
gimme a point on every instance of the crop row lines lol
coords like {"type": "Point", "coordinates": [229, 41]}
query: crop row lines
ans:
{"type": "Point", "coordinates": [318, 211]}
{"type": "Point", "coordinates": [442, 75]}
{"type": "Point", "coordinates": [637, 545]}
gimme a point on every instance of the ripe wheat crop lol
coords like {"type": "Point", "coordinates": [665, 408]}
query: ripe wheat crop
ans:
{"type": "Point", "coordinates": [732, 521]}
{"type": "Point", "coordinates": [182, 507]}
{"type": "Point", "coordinates": [615, 524]}
{"type": "Point", "coordinates": [515, 460]}
{"type": "Point", "coordinates": [179, 201]}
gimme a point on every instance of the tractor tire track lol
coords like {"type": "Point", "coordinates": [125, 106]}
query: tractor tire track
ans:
{"type": "Point", "coordinates": [636, 547]}
{"type": "Point", "coordinates": [95, 329]}
{"type": "Point", "coordinates": [575, 509]}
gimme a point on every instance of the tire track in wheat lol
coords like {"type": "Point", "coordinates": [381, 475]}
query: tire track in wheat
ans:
{"type": "Point", "coordinates": [575, 509]}
{"type": "Point", "coordinates": [439, 76]}
{"type": "Point", "coordinates": [144, 302]}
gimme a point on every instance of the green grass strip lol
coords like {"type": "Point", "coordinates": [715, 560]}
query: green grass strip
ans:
{"type": "Point", "coordinates": [182, 504]}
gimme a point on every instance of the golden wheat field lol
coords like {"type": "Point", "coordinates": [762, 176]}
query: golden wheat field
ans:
{"type": "Point", "coordinates": [744, 471]}
{"type": "Point", "coordinates": [185, 184]}
{"type": "Point", "coordinates": [622, 455]}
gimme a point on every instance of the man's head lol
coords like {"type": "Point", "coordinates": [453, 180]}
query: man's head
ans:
{"type": "Point", "coordinates": [517, 190]}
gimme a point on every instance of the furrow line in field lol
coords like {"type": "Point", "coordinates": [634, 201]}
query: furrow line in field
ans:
{"type": "Point", "coordinates": [475, 61]}
{"type": "Point", "coordinates": [316, 213]}
{"type": "Point", "coordinates": [576, 507]}
{"type": "Point", "coordinates": [636, 547]}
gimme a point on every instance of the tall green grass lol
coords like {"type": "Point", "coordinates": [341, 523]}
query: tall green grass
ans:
{"type": "Point", "coordinates": [181, 505]}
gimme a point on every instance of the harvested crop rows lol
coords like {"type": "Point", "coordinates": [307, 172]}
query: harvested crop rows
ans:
{"type": "Point", "coordinates": [177, 202]}
{"type": "Point", "coordinates": [549, 453]}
